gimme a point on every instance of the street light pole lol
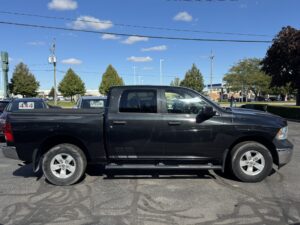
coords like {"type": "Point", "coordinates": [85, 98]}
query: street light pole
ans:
{"type": "Point", "coordinates": [52, 60]}
{"type": "Point", "coordinates": [160, 69]}
{"type": "Point", "coordinates": [211, 69]}
{"type": "Point", "coordinates": [55, 92]}
{"type": "Point", "coordinates": [134, 77]}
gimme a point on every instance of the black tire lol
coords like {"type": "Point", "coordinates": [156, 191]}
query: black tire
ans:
{"type": "Point", "coordinates": [238, 152]}
{"type": "Point", "coordinates": [79, 165]}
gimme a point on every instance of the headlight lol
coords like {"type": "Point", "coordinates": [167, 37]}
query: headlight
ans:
{"type": "Point", "coordinates": [282, 133]}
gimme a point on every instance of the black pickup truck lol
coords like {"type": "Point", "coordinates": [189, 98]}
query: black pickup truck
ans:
{"type": "Point", "coordinates": [149, 127]}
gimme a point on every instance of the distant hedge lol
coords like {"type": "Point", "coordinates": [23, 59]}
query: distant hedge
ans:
{"type": "Point", "coordinates": [289, 112]}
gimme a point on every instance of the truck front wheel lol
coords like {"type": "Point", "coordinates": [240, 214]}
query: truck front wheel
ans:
{"type": "Point", "coordinates": [64, 164]}
{"type": "Point", "coordinates": [251, 161]}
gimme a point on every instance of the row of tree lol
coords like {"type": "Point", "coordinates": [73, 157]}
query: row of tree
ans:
{"type": "Point", "coordinates": [24, 83]}
{"type": "Point", "coordinates": [277, 73]}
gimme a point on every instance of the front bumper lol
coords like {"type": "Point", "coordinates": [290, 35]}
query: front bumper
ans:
{"type": "Point", "coordinates": [285, 151]}
{"type": "Point", "coordinates": [9, 152]}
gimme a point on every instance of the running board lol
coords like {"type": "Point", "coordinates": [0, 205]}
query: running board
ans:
{"type": "Point", "coordinates": [113, 166]}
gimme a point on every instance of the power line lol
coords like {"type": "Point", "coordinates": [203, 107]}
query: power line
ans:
{"type": "Point", "coordinates": [134, 26]}
{"type": "Point", "coordinates": [137, 35]}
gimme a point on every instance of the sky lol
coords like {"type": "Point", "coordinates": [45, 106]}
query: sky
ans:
{"type": "Point", "coordinates": [88, 54]}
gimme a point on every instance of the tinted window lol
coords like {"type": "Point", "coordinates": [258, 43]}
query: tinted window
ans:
{"type": "Point", "coordinates": [138, 101]}
{"type": "Point", "coordinates": [93, 103]}
{"type": "Point", "coordinates": [26, 105]}
{"type": "Point", "coordinates": [183, 102]}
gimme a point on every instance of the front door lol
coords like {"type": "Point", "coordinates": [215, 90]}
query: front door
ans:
{"type": "Point", "coordinates": [185, 138]}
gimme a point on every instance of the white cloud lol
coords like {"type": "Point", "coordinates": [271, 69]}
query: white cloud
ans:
{"type": "Point", "coordinates": [10, 59]}
{"type": "Point", "coordinates": [133, 39]}
{"type": "Point", "coordinates": [147, 68]}
{"type": "Point", "coordinates": [155, 48]}
{"type": "Point", "coordinates": [183, 16]}
{"type": "Point", "coordinates": [36, 43]}
{"type": "Point", "coordinates": [139, 59]}
{"type": "Point", "coordinates": [71, 61]}
{"type": "Point", "coordinates": [110, 37]}
{"type": "Point", "coordinates": [62, 5]}
{"type": "Point", "coordinates": [89, 22]}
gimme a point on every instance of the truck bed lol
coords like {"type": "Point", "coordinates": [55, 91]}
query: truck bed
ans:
{"type": "Point", "coordinates": [49, 126]}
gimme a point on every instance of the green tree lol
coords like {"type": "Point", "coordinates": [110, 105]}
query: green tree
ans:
{"type": "Point", "coordinates": [193, 79]}
{"type": "Point", "coordinates": [51, 93]}
{"type": "Point", "coordinates": [282, 60]}
{"type": "Point", "coordinates": [175, 82]}
{"type": "Point", "coordinates": [110, 78]}
{"type": "Point", "coordinates": [71, 85]}
{"type": "Point", "coordinates": [247, 76]}
{"type": "Point", "coordinates": [23, 82]}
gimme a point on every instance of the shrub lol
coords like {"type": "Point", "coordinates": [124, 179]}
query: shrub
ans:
{"type": "Point", "coordinates": [288, 112]}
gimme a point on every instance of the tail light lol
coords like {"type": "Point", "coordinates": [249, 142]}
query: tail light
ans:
{"type": "Point", "coordinates": [8, 133]}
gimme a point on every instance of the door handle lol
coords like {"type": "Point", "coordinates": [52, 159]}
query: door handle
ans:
{"type": "Point", "coordinates": [174, 123]}
{"type": "Point", "coordinates": [119, 122]}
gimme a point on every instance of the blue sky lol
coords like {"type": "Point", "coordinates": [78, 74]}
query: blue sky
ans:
{"type": "Point", "coordinates": [90, 54]}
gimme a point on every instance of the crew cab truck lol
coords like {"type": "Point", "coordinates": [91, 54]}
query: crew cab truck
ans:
{"type": "Point", "coordinates": [149, 127]}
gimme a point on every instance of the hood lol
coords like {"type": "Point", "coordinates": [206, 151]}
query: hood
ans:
{"type": "Point", "coordinates": [260, 117]}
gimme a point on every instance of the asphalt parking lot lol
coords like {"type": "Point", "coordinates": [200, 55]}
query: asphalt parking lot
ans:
{"type": "Point", "coordinates": [150, 198]}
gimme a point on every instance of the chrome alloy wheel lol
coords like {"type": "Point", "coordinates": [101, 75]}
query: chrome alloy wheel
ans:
{"type": "Point", "coordinates": [252, 162]}
{"type": "Point", "coordinates": [63, 165]}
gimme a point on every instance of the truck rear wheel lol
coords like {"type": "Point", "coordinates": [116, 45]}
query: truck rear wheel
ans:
{"type": "Point", "coordinates": [251, 161]}
{"type": "Point", "coordinates": [64, 164]}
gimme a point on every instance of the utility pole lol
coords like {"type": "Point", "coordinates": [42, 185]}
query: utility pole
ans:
{"type": "Point", "coordinates": [211, 69]}
{"type": "Point", "coordinates": [5, 68]}
{"type": "Point", "coordinates": [134, 76]}
{"type": "Point", "coordinates": [160, 70]}
{"type": "Point", "coordinates": [52, 60]}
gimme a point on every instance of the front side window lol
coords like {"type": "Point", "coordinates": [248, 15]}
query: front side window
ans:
{"type": "Point", "coordinates": [138, 101]}
{"type": "Point", "coordinates": [183, 102]}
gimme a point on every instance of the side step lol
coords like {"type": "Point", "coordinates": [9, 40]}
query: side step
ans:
{"type": "Point", "coordinates": [113, 166]}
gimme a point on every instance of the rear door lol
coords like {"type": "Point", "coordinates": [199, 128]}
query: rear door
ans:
{"type": "Point", "coordinates": [132, 124]}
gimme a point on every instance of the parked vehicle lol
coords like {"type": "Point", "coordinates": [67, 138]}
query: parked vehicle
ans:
{"type": "Point", "coordinates": [149, 127]}
{"type": "Point", "coordinates": [3, 104]}
{"type": "Point", "coordinates": [91, 102]}
{"type": "Point", "coordinates": [14, 105]}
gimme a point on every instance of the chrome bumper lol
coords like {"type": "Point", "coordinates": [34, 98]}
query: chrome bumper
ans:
{"type": "Point", "coordinates": [285, 151]}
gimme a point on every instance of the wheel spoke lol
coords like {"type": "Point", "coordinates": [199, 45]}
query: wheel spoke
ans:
{"type": "Point", "coordinates": [243, 163]}
{"type": "Point", "coordinates": [257, 157]}
{"type": "Point", "coordinates": [69, 159]}
{"type": "Point", "coordinates": [63, 173]}
{"type": "Point", "coordinates": [59, 158]}
{"type": "Point", "coordinates": [55, 167]}
{"type": "Point", "coordinates": [248, 155]}
{"type": "Point", "coordinates": [71, 168]}
{"type": "Point", "coordinates": [258, 166]}
{"type": "Point", "coordinates": [250, 169]}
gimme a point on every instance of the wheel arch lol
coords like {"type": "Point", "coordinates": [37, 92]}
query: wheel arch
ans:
{"type": "Point", "coordinates": [264, 141]}
{"type": "Point", "coordinates": [52, 141]}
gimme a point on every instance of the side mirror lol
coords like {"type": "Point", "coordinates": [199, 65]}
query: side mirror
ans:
{"type": "Point", "coordinates": [206, 113]}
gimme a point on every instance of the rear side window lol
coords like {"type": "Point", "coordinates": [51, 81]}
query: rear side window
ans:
{"type": "Point", "coordinates": [93, 103]}
{"type": "Point", "coordinates": [26, 105]}
{"type": "Point", "coordinates": [138, 101]}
